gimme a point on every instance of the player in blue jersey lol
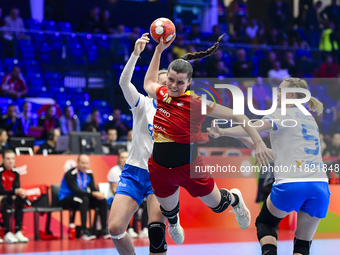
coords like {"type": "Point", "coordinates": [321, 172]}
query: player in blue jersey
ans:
{"type": "Point", "coordinates": [134, 184]}
{"type": "Point", "coordinates": [301, 183]}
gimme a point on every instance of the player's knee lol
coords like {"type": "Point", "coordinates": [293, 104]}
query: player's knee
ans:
{"type": "Point", "coordinates": [301, 246]}
{"type": "Point", "coordinates": [172, 213]}
{"type": "Point", "coordinates": [224, 203]}
{"type": "Point", "coordinates": [157, 237]}
{"type": "Point", "coordinates": [266, 223]}
{"type": "Point", "coordinates": [116, 230]}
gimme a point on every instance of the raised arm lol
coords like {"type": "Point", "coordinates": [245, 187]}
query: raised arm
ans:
{"type": "Point", "coordinates": [130, 92]}
{"type": "Point", "coordinates": [151, 77]}
{"type": "Point", "coordinates": [261, 153]}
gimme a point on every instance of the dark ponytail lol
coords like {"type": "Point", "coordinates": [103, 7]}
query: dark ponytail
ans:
{"type": "Point", "coordinates": [183, 66]}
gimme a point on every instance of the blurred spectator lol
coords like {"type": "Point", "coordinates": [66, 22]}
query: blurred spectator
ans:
{"type": "Point", "coordinates": [117, 124]}
{"type": "Point", "coordinates": [179, 48]}
{"type": "Point", "coordinates": [216, 33]}
{"type": "Point", "coordinates": [134, 35]}
{"type": "Point", "coordinates": [129, 140]}
{"type": "Point", "coordinates": [312, 25]}
{"type": "Point", "coordinates": [49, 120]}
{"type": "Point", "coordinates": [267, 63]}
{"type": "Point", "coordinates": [332, 13]}
{"type": "Point", "coordinates": [251, 30]}
{"type": "Point", "coordinates": [13, 84]}
{"type": "Point", "coordinates": [3, 141]}
{"type": "Point", "coordinates": [260, 36]}
{"type": "Point", "coordinates": [111, 146]}
{"type": "Point", "coordinates": [239, 35]}
{"type": "Point", "coordinates": [273, 37]}
{"type": "Point", "coordinates": [322, 144]}
{"type": "Point", "coordinates": [328, 69]}
{"type": "Point", "coordinates": [69, 121]}
{"type": "Point", "coordinates": [221, 71]}
{"type": "Point", "coordinates": [91, 21]}
{"type": "Point", "coordinates": [11, 123]}
{"type": "Point", "coordinates": [180, 30]}
{"type": "Point", "coordinates": [262, 95]}
{"type": "Point", "coordinates": [335, 125]}
{"type": "Point", "coordinates": [304, 63]}
{"type": "Point", "coordinates": [304, 6]}
{"type": "Point", "coordinates": [14, 21]}
{"type": "Point", "coordinates": [279, 14]}
{"type": "Point", "coordinates": [195, 34]}
{"type": "Point", "coordinates": [334, 149]}
{"type": "Point", "coordinates": [289, 63]}
{"type": "Point", "coordinates": [27, 117]}
{"type": "Point", "coordinates": [242, 68]}
{"type": "Point", "coordinates": [49, 147]}
{"type": "Point", "coordinates": [276, 74]}
{"type": "Point", "coordinates": [210, 63]}
{"type": "Point", "coordinates": [328, 42]}
{"type": "Point", "coordinates": [93, 123]}
{"type": "Point", "coordinates": [106, 23]}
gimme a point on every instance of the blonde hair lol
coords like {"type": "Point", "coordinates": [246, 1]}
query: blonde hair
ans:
{"type": "Point", "coordinates": [314, 104]}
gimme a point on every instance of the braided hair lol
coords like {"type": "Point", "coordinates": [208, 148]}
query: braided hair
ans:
{"type": "Point", "coordinates": [183, 66]}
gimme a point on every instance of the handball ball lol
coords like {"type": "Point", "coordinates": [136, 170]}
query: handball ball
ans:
{"type": "Point", "coordinates": [162, 27]}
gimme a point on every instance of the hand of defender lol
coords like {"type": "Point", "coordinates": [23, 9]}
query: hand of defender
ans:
{"type": "Point", "coordinates": [262, 154]}
{"type": "Point", "coordinates": [163, 45]}
{"type": "Point", "coordinates": [214, 131]}
{"type": "Point", "coordinates": [140, 44]}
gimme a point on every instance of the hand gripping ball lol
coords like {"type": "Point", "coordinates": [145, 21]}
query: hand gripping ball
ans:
{"type": "Point", "coordinates": [162, 27]}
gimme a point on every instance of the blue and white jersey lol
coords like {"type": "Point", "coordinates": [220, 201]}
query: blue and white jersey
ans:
{"type": "Point", "coordinates": [295, 141]}
{"type": "Point", "coordinates": [142, 132]}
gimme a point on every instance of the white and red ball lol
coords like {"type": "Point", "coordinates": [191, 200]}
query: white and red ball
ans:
{"type": "Point", "coordinates": [162, 27]}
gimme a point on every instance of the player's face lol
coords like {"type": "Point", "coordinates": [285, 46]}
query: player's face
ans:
{"type": "Point", "coordinates": [3, 137]}
{"type": "Point", "coordinates": [162, 79]}
{"type": "Point", "coordinates": [9, 160]}
{"type": "Point", "coordinates": [284, 84]}
{"type": "Point", "coordinates": [177, 83]}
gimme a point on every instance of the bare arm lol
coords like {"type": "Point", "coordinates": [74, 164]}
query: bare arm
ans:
{"type": "Point", "coordinates": [151, 77]}
{"type": "Point", "coordinates": [113, 187]}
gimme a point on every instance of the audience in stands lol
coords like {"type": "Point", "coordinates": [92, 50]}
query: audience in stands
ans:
{"type": "Point", "coordinates": [242, 68]}
{"type": "Point", "coordinates": [69, 121]}
{"type": "Point", "coordinates": [78, 192]}
{"type": "Point", "coordinates": [331, 13]}
{"type": "Point", "coordinates": [195, 34]}
{"type": "Point", "coordinates": [279, 14]}
{"type": "Point", "coordinates": [262, 93]}
{"type": "Point", "coordinates": [93, 123]}
{"type": "Point", "coordinates": [28, 118]}
{"type": "Point", "coordinates": [91, 21]}
{"type": "Point", "coordinates": [312, 25]}
{"type": "Point", "coordinates": [14, 21]}
{"type": "Point", "coordinates": [335, 124]}
{"type": "Point", "coordinates": [267, 63]}
{"type": "Point", "coordinates": [334, 148]}
{"type": "Point", "coordinates": [11, 195]}
{"type": "Point", "coordinates": [3, 141]}
{"type": "Point", "coordinates": [329, 69]}
{"type": "Point", "coordinates": [111, 146]}
{"type": "Point", "coordinates": [13, 84]}
{"type": "Point", "coordinates": [289, 63]}
{"type": "Point", "coordinates": [179, 48]}
{"type": "Point", "coordinates": [49, 120]}
{"type": "Point", "coordinates": [117, 124]}
{"type": "Point", "coordinates": [251, 30]}
{"type": "Point", "coordinates": [276, 74]}
{"type": "Point", "coordinates": [11, 122]}
{"type": "Point", "coordinates": [106, 23]}
{"type": "Point", "coordinates": [210, 63]}
{"type": "Point", "coordinates": [49, 147]}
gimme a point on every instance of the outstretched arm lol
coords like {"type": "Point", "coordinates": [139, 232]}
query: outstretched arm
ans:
{"type": "Point", "coordinates": [130, 92]}
{"type": "Point", "coordinates": [151, 77]}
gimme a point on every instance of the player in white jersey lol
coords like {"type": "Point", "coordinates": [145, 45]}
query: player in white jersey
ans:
{"type": "Point", "coordinates": [134, 184]}
{"type": "Point", "coordinates": [301, 183]}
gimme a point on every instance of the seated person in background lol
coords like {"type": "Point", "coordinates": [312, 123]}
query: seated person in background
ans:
{"type": "Point", "coordinates": [49, 120]}
{"type": "Point", "coordinates": [3, 140]}
{"type": "Point", "coordinates": [11, 194]}
{"type": "Point", "coordinates": [117, 124]}
{"type": "Point", "coordinates": [276, 74]}
{"type": "Point", "coordinates": [69, 122]}
{"type": "Point", "coordinates": [78, 192]}
{"type": "Point", "coordinates": [50, 146]}
{"type": "Point", "coordinates": [13, 84]}
{"type": "Point", "coordinates": [14, 21]}
{"type": "Point", "coordinates": [27, 117]}
{"type": "Point", "coordinates": [114, 174]}
{"type": "Point", "coordinates": [11, 123]}
{"type": "Point", "coordinates": [93, 123]}
{"type": "Point", "coordinates": [129, 140]}
{"type": "Point", "coordinates": [111, 146]}
{"type": "Point", "coordinates": [334, 149]}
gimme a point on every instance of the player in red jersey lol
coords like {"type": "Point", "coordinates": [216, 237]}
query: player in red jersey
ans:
{"type": "Point", "coordinates": [177, 131]}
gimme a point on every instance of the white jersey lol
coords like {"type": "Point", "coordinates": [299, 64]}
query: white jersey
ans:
{"type": "Point", "coordinates": [142, 132]}
{"type": "Point", "coordinates": [295, 141]}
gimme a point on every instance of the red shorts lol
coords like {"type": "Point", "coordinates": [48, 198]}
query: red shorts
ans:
{"type": "Point", "coordinates": [165, 181]}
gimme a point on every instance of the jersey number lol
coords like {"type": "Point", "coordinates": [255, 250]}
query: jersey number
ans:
{"type": "Point", "coordinates": [150, 127]}
{"type": "Point", "coordinates": [305, 129]}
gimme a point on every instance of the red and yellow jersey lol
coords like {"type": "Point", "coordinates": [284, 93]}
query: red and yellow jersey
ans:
{"type": "Point", "coordinates": [179, 119]}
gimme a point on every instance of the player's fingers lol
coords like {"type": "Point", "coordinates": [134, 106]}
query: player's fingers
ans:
{"type": "Point", "coordinates": [145, 34]}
